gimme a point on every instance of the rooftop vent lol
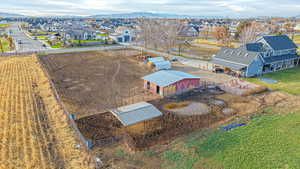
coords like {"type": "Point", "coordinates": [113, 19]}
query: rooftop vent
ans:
{"type": "Point", "coordinates": [247, 54]}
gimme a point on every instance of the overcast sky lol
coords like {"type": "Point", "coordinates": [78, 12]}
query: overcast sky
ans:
{"type": "Point", "coordinates": [231, 8]}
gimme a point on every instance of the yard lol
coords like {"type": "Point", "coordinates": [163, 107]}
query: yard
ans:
{"type": "Point", "coordinates": [90, 82]}
{"type": "Point", "coordinates": [288, 80]}
{"type": "Point", "coordinates": [85, 41]}
{"type": "Point", "coordinates": [215, 43]}
{"type": "Point", "coordinates": [102, 34]}
{"type": "Point", "coordinates": [269, 141]}
{"type": "Point", "coordinates": [202, 52]}
{"type": "Point", "coordinates": [297, 39]}
{"type": "Point", "coordinates": [57, 45]}
{"type": "Point", "coordinates": [4, 25]}
{"type": "Point", "coordinates": [42, 37]}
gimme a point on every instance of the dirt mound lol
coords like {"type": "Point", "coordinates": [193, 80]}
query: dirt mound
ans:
{"type": "Point", "coordinates": [228, 111]}
{"type": "Point", "coordinates": [192, 109]}
{"type": "Point", "coordinates": [172, 106]}
{"type": "Point", "coordinates": [280, 101]}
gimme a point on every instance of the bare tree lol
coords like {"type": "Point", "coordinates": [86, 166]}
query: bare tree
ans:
{"type": "Point", "coordinates": [205, 32]}
{"type": "Point", "coordinates": [158, 33]}
{"type": "Point", "coordinates": [251, 33]}
{"type": "Point", "coordinates": [11, 43]}
{"type": "Point", "coordinates": [222, 34]}
{"type": "Point", "coordinates": [290, 29]}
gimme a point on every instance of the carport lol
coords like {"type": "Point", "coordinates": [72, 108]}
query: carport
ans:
{"type": "Point", "coordinates": [229, 67]}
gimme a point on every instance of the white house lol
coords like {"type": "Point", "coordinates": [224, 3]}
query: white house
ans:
{"type": "Point", "coordinates": [297, 27]}
{"type": "Point", "coordinates": [123, 34]}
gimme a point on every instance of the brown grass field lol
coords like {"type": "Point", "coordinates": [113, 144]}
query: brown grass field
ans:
{"type": "Point", "coordinates": [92, 82]}
{"type": "Point", "coordinates": [34, 132]}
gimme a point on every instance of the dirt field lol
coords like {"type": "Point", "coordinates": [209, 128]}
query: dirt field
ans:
{"type": "Point", "coordinates": [34, 132]}
{"type": "Point", "coordinates": [91, 82]}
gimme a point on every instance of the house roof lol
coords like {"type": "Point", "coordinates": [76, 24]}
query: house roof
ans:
{"type": "Point", "coordinates": [237, 55]}
{"type": "Point", "coordinates": [255, 47]}
{"type": "Point", "coordinates": [281, 42]}
{"type": "Point", "coordinates": [279, 58]}
{"type": "Point", "coordinates": [167, 77]}
{"type": "Point", "coordinates": [135, 113]}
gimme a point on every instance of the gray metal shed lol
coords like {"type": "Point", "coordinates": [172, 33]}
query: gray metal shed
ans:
{"type": "Point", "coordinates": [136, 113]}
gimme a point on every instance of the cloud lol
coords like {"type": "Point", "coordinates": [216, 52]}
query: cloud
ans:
{"type": "Point", "coordinates": [234, 8]}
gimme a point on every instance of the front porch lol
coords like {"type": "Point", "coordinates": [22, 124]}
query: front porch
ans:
{"type": "Point", "coordinates": [280, 65]}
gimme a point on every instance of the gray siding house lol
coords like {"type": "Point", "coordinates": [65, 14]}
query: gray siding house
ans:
{"type": "Point", "coordinates": [268, 54]}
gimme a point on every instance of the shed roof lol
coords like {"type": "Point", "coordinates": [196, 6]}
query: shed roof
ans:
{"type": "Point", "coordinates": [281, 42]}
{"type": "Point", "coordinates": [167, 77]}
{"type": "Point", "coordinates": [233, 66]}
{"type": "Point", "coordinates": [156, 59]}
{"type": "Point", "coordinates": [135, 113]}
{"type": "Point", "coordinates": [163, 65]}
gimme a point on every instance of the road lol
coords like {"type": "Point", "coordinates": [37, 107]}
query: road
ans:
{"type": "Point", "coordinates": [27, 43]}
{"type": "Point", "coordinates": [29, 46]}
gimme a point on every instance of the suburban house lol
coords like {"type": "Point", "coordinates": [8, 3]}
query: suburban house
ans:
{"type": "Point", "coordinates": [189, 31]}
{"type": "Point", "coordinates": [123, 35]}
{"type": "Point", "coordinates": [170, 82]}
{"type": "Point", "coordinates": [297, 27]}
{"type": "Point", "coordinates": [267, 54]}
{"type": "Point", "coordinates": [79, 34]}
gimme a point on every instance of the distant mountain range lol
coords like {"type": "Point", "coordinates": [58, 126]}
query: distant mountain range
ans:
{"type": "Point", "coordinates": [146, 15]}
{"type": "Point", "coordinates": [130, 15]}
{"type": "Point", "coordinates": [10, 15]}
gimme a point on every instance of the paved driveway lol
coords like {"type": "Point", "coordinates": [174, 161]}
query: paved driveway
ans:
{"type": "Point", "coordinates": [209, 76]}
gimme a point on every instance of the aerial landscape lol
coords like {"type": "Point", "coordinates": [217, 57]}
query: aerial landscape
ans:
{"type": "Point", "coordinates": [98, 84]}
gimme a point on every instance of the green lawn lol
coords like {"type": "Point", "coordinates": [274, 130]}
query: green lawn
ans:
{"type": "Point", "coordinates": [289, 80]}
{"type": "Point", "coordinates": [84, 41]}
{"type": "Point", "coordinates": [42, 37]}
{"type": "Point", "coordinates": [297, 39]}
{"type": "Point", "coordinates": [57, 45]}
{"type": "Point", "coordinates": [102, 34]}
{"type": "Point", "coordinates": [4, 25]}
{"type": "Point", "coordinates": [267, 142]}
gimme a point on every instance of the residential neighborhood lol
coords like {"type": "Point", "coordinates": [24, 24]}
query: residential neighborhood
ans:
{"type": "Point", "coordinates": [149, 84]}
